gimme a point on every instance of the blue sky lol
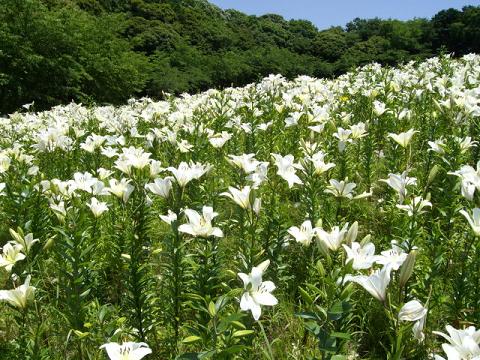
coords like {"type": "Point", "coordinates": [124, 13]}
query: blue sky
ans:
{"type": "Point", "coordinates": [326, 13]}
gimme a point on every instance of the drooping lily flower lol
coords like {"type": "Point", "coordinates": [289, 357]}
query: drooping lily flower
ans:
{"type": "Point", "coordinates": [376, 284]}
{"type": "Point", "coordinates": [473, 220]}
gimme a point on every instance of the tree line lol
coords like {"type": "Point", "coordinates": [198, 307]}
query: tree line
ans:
{"type": "Point", "coordinates": [105, 51]}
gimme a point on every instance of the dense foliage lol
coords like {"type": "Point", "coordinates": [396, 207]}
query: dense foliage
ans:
{"type": "Point", "coordinates": [104, 51]}
{"type": "Point", "coordinates": [305, 219]}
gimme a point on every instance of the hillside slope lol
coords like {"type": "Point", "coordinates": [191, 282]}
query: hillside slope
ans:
{"type": "Point", "coordinates": [105, 51]}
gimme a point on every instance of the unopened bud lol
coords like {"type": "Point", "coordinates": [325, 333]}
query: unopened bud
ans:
{"type": "Point", "coordinates": [366, 240]}
{"type": "Point", "coordinates": [433, 173]}
{"type": "Point", "coordinates": [352, 233]}
{"type": "Point", "coordinates": [49, 243]}
{"type": "Point", "coordinates": [320, 269]}
{"type": "Point", "coordinates": [407, 268]}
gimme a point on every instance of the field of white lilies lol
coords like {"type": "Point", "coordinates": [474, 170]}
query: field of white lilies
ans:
{"type": "Point", "coordinates": [305, 219]}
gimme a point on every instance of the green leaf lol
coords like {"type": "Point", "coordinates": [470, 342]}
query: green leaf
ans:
{"type": "Point", "coordinates": [240, 333]}
{"type": "Point", "coordinates": [305, 296]}
{"type": "Point", "coordinates": [191, 339]}
{"type": "Point", "coordinates": [338, 309]}
{"type": "Point", "coordinates": [340, 335]}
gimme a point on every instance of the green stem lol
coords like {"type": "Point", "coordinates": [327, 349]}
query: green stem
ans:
{"type": "Point", "coordinates": [269, 347]}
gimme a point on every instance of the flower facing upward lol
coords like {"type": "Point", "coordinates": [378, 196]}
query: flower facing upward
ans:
{"type": "Point", "coordinates": [160, 187]}
{"type": "Point", "coordinates": [362, 257]}
{"type": "Point", "coordinates": [97, 207]}
{"type": "Point", "coordinates": [187, 172]}
{"type": "Point", "coordinates": [20, 296]}
{"type": "Point", "coordinates": [341, 188]}
{"type": "Point", "coordinates": [240, 196]}
{"type": "Point", "coordinates": [463, 344]}
{"type": "Point", "coordinates": [403, 139]}
{"type": "Point", "coordinates": [399, 183]}
{"type": "Point", "coordinates": [201, 225]}
{"type": "Point", "coordinates": [257, 292]}
{"type": "Point", "coordinates": [304, 234]}
{"type": "Point", "coordinates": [394, 257]}
{"type": "Point", "coordinates": [126, 351]}
{"type": "Point", "coordinates": [333, 239]}
{"type": "Point", "coordinates": [11, 253]}
{"type": "Point", "coordinates": [246, 162]}
{"type": "Point", "coordinates": [286, 168]}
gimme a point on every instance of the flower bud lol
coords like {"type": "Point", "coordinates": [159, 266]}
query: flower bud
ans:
{"type": "Point", "coordinates": [320, 269]}
{"type": "Point", "coordinates": [407, 268]}
{"type": "Point", "coordinates": [352, 233]}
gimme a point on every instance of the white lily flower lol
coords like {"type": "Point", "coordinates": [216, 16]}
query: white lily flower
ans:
{"type": "Point", "coordinates": [257, 292]}
{"type": "Point", "coordinates": [341, 188]}
{"type": "Point", "coordinates": [463, 344]}
{"type": "Point", "coordinates": [246, 162]}
{"type": "Point", "coordinates": [470, 180]}
{"type": "Point", "coordinates": [404, 138]}
{"type": "Point", "coordinates": [201, 225]}
{"type": "Point", "coordinates": [20, 296]}
{"type": "Point", "coordinates": [11, 253]}
{"type": "Point", "coordinates": [286, 168]}
{"type": "Point", "coordinates": [394, 257]}
{"type": "Point", "coordinates": [333, 239]}
{"type": "Point", "coordinates": [240, 196]}
{"type": "Point", "coordinates": [26, 241]}
{"type": "Point", "coordinates": [362, 257]}
{"type": "Point", "coordinates": [126, 351]}
{"type": "Point", "coordinates": [97, 207]}
{"type": "Point", "coordinates": [416, 206]}
{"type": "Point", "coordinates": [412, 311]}
{"type": "Point", "coordinates": [121, 189]}
{"type": "Point", "coordinates": [304, 234]}
{"type": "Point", "coordinates": [343, 136]}
{"type": "Point", "coordinates": [259, 175]}
{"type": "Point", "coordinates": [465, 143]}
{"type": "Point", "coordinates": [417, 328]}
{"type": "Point", "coordinates": [358, 130]}
{"type": "Point", "coordinates": [169, 218]}
{"type": "Point", "coordinates": [399, 183]}
{"type": "Point", "coordinates": [318, 160]}
{"type": "Point", "coordinates": [376, 284]}
{"type": "Point", "coordinates": [473, 220]}
{"type": "Point", "coordinates": [160, 187]}
{"type": "Point", "coordinates": [437, 146]}
{"type": "Point", "coordinates": [218, 140]}
{"type": "Point", "coordinates": [187, 172]}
